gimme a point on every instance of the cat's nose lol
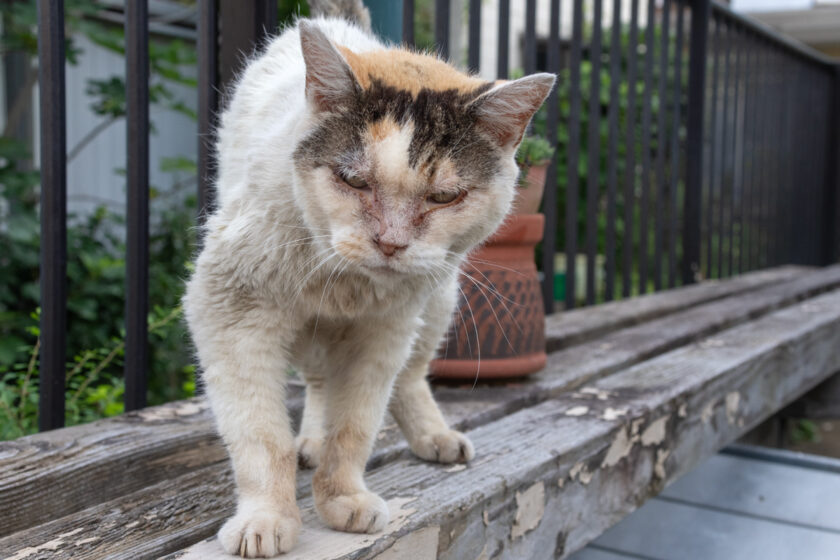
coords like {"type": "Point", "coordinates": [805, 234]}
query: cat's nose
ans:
{"type": "Point", "coordinates": [388, 249]}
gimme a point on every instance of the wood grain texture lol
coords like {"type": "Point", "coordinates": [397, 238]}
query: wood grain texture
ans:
{"type": "Point", "coordinates": [597, 452]}
{"type": "Point", "coordinates": [596, 467]}
{"type": "Point", "coordinates": [127, 453]}
{"type": "Point", "coordinates": [97, 467]}
{"type": "Point", "coordinates": [583, 324]}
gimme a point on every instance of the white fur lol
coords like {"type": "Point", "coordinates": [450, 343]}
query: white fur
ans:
{"type": "Point", "coordinates": [288, 276]}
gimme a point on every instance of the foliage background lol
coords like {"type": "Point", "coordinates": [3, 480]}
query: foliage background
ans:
{"type": "Point", "coordinates": [96, 250]}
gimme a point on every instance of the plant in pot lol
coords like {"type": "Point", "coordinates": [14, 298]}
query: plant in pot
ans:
{"type": "Point", "coordinates": [499, 328]}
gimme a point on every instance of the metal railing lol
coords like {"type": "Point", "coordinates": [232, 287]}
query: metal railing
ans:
{"type": "Point", "coordinates": [709, 149]}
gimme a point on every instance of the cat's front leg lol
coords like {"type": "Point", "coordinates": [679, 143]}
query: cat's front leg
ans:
{"type": "Point", "coordinates": [241, 350]}
{"type": "Point", "coordinates": [413, 406]}
{"type": "Point", "coordinates": [358, 391]}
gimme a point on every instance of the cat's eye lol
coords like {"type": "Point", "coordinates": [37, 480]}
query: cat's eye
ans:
{"type": "Point", "coordinates": [442, 197]}
{"type": "Point", "coordinates": [353, 180]}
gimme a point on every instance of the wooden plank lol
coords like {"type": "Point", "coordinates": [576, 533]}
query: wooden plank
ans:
{"type": "Point", "coordinates": [125, 454]}
{"type": "Point", "coordinates": [595, 468]}
{"type": "Point", "coordinates": [660, 528]}
{"type": "Point", "coordinates": [591, 455]}
{"type": "Point", "coordinates": [574, 366]}
{"type": "Point", "coordinates": [573, 327]}
{"type": "Point", "coordinates": [751, 487]}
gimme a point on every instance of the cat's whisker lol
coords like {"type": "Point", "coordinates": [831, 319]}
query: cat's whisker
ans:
{"type": "Point", "coordinates": [343, 264]}
{"type": "Point", "coordinates": [315, 269]}
{"type": "Point", "coordinates": [295, 242]}
{"type": "Point", "coordinates": [477, 340]}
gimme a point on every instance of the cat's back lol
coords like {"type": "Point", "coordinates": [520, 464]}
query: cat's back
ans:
{"type": "Point", "coordinates": [268, 101]}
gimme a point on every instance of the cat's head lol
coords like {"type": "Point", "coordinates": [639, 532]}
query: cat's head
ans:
{"type": "Point", "coordinates": [403, 159]}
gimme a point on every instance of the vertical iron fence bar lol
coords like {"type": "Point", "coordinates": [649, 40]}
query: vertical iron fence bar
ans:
{"type": "Point", "coordinates": [661, 146]}
{"type": "Point", "coordinates": [137, 207]}
{"type": "Point", "coordinates": [474, 52]}
{"type": "Point", "coordinates": [593, 158]}
{"type": "Point", "coordinates": [750, 105]}
{"type": "Point", "coordinates": [549, 244]}
{"type": "Point", "coordinates": [644, 228]}
{"type": "Point", "coordinates": [801, 205]}
{"type": "Point", "coordinates": [53, 320]}
{"type": "Point", "coordinates": [785, 208]}
{"type": "Point", "coordinates": [723, 152]}
{"type": "Point", "coordinates": [816, 172]}
{"type": "Point", "coordinates": [735, 184]}
{"type": "Point", "coordinates": [245, 27]}
{"type": "Point", "coordinates": [631, 145]}
{"type": "Point", "coordinates": [572, 190]}
{"type": "Point", "coordinates": [612, 179]}
{"type": "Point", "coordinates": [760, 186]}
{"type": "Point", "coordinates": [831, 208]}
{"type": "Point", "coordinates": [502, 69]}
{"type": "Point", "coordinates": [772, 214]}
{"type": "Point", "coordinates": [442, 27]}
{"type": "Point", "coordinates": [675, 148]}
{"type": "Point", "coordinates": [531, 36]}
{"type": "Point", "coordinates": [408, 22]}
{"type": "Point", "coordinates": [208, 102]}
{"type": "Point", "coordinates": [697, 61]}
{"type": "Point", "coordinates": [713, 147]}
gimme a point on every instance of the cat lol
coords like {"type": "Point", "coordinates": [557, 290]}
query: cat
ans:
{"type": "Point", "coordinates": [353, 179]}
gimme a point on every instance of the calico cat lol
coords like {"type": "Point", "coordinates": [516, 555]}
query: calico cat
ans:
{"type": "Point", "coordinates": [353, 180]}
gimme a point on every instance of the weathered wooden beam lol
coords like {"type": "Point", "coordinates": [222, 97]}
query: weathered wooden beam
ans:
{"type": "Point", "coordinates": [556, 475]}
{"type": "Point", "coordinates": [125, 454]}
{"type": "Point", "coordinates": [548, 478]}
{"type": "Point", "coordinates": [711, 390]}
{"type": "Point", "coordinates": [581, 325]}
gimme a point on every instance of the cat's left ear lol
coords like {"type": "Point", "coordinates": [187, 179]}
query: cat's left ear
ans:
{"type": "Point", "coordinates": [330, 83]}
{"type": "Point", "coordinates": [505, 111]}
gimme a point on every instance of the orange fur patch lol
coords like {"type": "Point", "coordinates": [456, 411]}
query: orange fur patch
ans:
{"type": "Point", "coordinates": [382, 128]}
{"type": "Point", "coordinates": [409, 71]}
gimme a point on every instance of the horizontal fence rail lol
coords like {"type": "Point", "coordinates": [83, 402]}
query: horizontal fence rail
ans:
{"type": "Point", "coordinates": [692, 143]}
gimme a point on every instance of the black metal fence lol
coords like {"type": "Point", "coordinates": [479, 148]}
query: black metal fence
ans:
{"type": "Point", "coordinates": [692, 143]}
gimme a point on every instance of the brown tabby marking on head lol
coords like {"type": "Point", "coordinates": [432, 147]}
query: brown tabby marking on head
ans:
{"type": "Point", "coordinates": [443, 126]}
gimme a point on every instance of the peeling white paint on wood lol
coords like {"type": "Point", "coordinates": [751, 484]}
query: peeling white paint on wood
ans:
{"type": "Point", "coordinates": [659, 467]}
{"type": "Point", "coordinates": [733, 399]}
{"type": "Point", "coordinates": [530, 507]}
{"type": "Point", "coordinates": [53, 544]}
{"type": "Point", "coordinates": [611, 414]}
{"type": "Point", "coordinates": [184, 408]}
{"type": "Point", "coordinates": [419, 545]}
{"type": "Point", "coordinates": [599, 394]}
{"type": "Point", "coordinates": [577, 411]}
{"type": "Point", "coordinates": [620, 448]}
{"type": "Point", "coordinates": [655, 433]}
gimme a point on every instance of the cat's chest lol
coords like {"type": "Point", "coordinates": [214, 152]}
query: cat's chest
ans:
{"type": "Point", "coordinates": [349, 296]}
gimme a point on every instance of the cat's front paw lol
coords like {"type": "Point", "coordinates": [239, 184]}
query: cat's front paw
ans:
{"type": "Point", "coordinates": [309, 451]}
{"type": "Point", "coordinates": [444, 447]}
{"type": "Point", "coordinates": [363, 512]}
{"type": "Point", "coordinates": [260, 532]}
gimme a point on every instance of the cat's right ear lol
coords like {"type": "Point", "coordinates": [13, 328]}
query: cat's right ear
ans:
{"type": "Point", "coordinates": [330, 83]}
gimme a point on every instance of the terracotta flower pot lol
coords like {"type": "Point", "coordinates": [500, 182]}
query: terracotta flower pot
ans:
{"type": "Point", "coordinates": [530, 192]}
{"type": "Point", "coordinates": [499, 328]}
